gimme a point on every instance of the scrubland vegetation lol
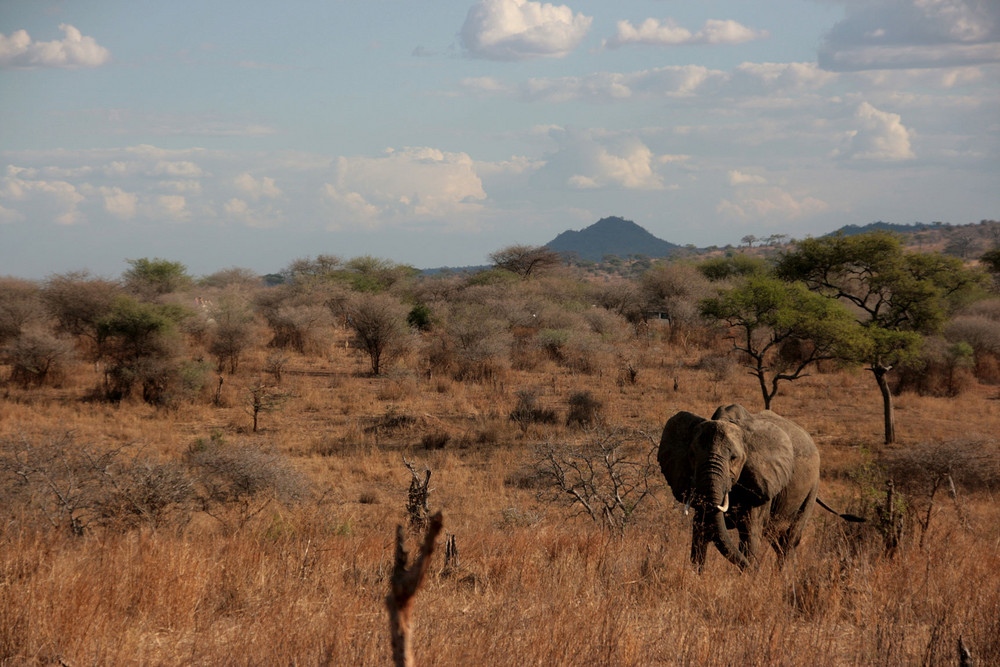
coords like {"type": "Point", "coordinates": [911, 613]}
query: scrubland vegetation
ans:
{"type": "Point", "coordinates": [211, 470]}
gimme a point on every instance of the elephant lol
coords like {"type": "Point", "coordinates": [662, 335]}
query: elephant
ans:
{"type": "Point", "coordinates": [758, 473]}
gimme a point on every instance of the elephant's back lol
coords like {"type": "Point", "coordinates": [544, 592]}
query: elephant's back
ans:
{"type": "Point", "coordinates": [802, 442]}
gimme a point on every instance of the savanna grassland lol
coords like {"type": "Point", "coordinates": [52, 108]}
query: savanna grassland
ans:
{"type": "Point", "coordinates": [144, 520]}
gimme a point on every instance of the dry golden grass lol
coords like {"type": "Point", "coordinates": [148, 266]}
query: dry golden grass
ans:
{"type": "Point", "coordinates": [536, 584]}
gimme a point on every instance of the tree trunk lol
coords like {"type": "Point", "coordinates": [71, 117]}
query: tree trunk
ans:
{"type": "Point", "coordinates": [880, 371]}
{"type": "Point", "coordinates": [762, 380]}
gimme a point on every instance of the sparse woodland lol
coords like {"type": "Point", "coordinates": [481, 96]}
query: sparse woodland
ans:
{"type": "Point", "coordinates": [211, 470]}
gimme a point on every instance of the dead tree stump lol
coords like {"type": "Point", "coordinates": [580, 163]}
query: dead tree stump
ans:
{"type": "Point", "coordinates": [403, 587]}
{"type": "Point", "coordinates": [416, 498]}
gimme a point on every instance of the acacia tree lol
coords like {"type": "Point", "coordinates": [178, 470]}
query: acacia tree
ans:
{"type": "Point", "coordinates": [149, 278]}
{"type": "Point", "coordinates": [899, 296]}
{"type": "Point", "coordinates": [380, 329]}
{"type": "Point", "coordinates": [525, 260]}
{"type": "Point", "coordinates": [77, 301]}
{"type": "Point", "coordinates": [139, 344]}
{"type": "Point", "coordinates": [233, 332]}
{"type": "Point", "coordinates": [770, 317]}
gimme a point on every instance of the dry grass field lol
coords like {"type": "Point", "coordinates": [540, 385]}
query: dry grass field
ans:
{"type": "Point", "coordinates": [297, 573]}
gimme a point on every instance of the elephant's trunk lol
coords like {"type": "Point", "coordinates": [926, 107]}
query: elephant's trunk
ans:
{"type": "Point", "coordinates": [720, 535]}
{"type": "Point", "coordinates": [716, 497]}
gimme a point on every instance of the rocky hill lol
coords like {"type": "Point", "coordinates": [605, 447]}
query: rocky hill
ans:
{"type": "Point", "coordinates": [610, 236]}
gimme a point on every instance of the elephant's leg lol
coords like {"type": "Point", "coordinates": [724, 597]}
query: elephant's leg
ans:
{"type": "Point", "coordinates": [699, 540]}
{"type": "Point", "coordinates": [750, 525]}
{"type": "Point", "coordinates": [785, 541]}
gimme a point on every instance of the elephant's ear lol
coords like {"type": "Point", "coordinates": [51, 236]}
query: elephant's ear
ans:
{"type": "Point", "coordinates": [770, 459]}
{"type": "Point", "coordinates": [734, 413]}
{"type": "Point", "coordinates": [675, 453]}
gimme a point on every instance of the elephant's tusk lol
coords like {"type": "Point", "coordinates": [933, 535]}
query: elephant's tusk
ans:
{"type": "Point", "coordinates": [687, 505]}
{"type": "Point", "coordinates": [724, 507]}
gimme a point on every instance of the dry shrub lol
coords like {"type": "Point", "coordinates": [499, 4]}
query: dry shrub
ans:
{"type": "Point", "coordinates": [299, 320]}
{"type": "Point", "coordinates": [609, 326]}
{"type": "Point", "coordinates": [232, 332]}
{"type": "Point", "coordinates": [674, 290]}
{"type": "Point", "coordinates": [236, 481]}
{"type": "Point", "coordinates": [393, 420]}
{"type": "Point", "coordinates": [607, 477]}
{"type": "Point", "coordinates": [584, 409]}
{"type": "Point", "coordinates": [474, 345]}
{"type": "Point", "coordinates": [720, 367]}
{"type": "Point", "coordinates": [37, 357]}
{"type": "Point", "coordinates": [487, 432]}
{"type": "Point", "coordinates": [529, 411]}
{"type": "Point", "coordinates": [973, 464]}
{"type": "Point", "coordinates": [435, 440]}
{"type": "Point", "coordinates": [525, 353]}
{"type": "Point", "coordinates": [20, 307]}
{"type": "Point", "coordinates": [147, 492]}
{"type": "Point", "coordinates": [398, 388]}
{"type": "Point", "coordinates": [584, 354]}
{"type": "Point", "coordinates": [69, 486]}
{"type": "Point", "coordinates": [942, 369]}
{"type": "Point", "coordinates": [982, 333]}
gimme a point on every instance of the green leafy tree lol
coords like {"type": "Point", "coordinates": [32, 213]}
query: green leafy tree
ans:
{"type": "Point", "coordinates": [139, 344]}
{"type": "Point", "coordinates": [150, 278]}
{"type": "Point", "coordinates": [898, 296]}
{"type": "Point", "coordinates": [783, 328]}
{"type": "Point", "coordinates": [362, 274]}
{"type": "Point", "coordinates": [77, 301]}
{"type": "Point", "coordinates": [372, 274]}
{"type": "Point", "coordinates": [734, 266]}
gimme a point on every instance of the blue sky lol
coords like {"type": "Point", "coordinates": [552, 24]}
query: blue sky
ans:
{"type": "Point", "coordinates": [252, 133]}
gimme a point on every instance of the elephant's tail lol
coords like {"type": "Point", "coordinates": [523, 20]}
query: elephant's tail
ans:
{"type": "Point", "coordinates": [846, 517]}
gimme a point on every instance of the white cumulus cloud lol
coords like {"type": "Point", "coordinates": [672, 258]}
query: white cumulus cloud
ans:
{"type": "Point", "coordinates": [736, 178]}
{"type": "Point", "coordinates": [57, 200]}
{"type": "Point", "coordinates": [119, 203]}
{"type": "Point", "coordinates": [595, 159]}
{"type": "Point", "coordinates": [172, 207]}
{"type": "Point", "coordinates": [421, 183]}
{"type": "Point", "coordinates": [255, 188]}
{"type": "Point", "coordinates": [521, 29]}
{"type": "Point", "coordinates": [667, 33]}
{"type": "Point", "coordinates": [73, 51]}
{"type": "Point", "coordinates": [881, 137]}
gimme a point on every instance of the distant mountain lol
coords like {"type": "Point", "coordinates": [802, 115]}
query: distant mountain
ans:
{"type": "Point", "coordinates": [852, 230]}
{"type": "Point", "coordinates": [610, 236]}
